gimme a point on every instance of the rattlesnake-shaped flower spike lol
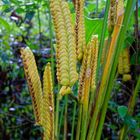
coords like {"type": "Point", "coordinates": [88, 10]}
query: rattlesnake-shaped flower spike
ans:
{"type": "Point", "coordinates": [88, 70]}
{"type": "Point", "coordinates": [80, 28]}
{"type": "Point", "coordinates": [66, 48]}
{"type": "Point", "coordinates": [95, 47]}
{"type": "Point", "coordinates": [124, 65]}
{"type": "Point", "coordinates": [85, 75]}
{"type": "Point", "coordinates": [48, 105]}
{"type": "Point", "coordinates": [71, 47]}
{"type": "Point", "coordinates": [82, 74]}
{"type": "Point", "coordinates": [61, 37]}
{"type": "Point", "coordinates": [126, 60]}
{"type": "Point", "coordinates": [112, 15]}
{"type": "Point", "coordinates": [33, 81]}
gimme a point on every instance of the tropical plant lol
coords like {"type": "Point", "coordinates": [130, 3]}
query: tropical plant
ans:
{"type": "Point", "coordinates": [80, 73]}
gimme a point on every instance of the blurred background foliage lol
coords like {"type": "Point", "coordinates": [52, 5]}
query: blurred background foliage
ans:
{"type": "Point", "coordinates": [28, 23]}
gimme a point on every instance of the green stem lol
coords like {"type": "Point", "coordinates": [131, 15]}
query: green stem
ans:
{"type": "Point", "coordinates": [61, 118]}
{"type": "Point", "coordinates": [97, 6]}
{"type": "Point", "coordinates": [39, 26]}
{"type": "Point", "coordinates": [107, 50]}
{"type": "Point", "coordinates": [57, 114]}
{"type": "Point", "coordinates": [92, 124]}
{"type": "Point", "coordinates": [65, 118]}
{"type": "Point", "coordinates": [84, 122]}
{"type": "Point", "coordinates": [91, 101]}
{"type": "Point", "coordinates": [137, 29]}
{"type": "Point", "coordinates": [78, 131]}
{"type": "Point", "coordinates": [52, 49]}
{"type": "Point", "coordinates": [101, 45]}
{"type": "Point", "coordinates": [132, 101]}
{"type": "Point", "coordinates": [119, 44]}
{"type": "Point", "coordinates": [73, 121]}
{"type": "Point", "coordinates": [57, 117]}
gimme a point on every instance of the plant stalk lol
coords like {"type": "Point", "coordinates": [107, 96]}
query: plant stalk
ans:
{"type": "Point", "coordinates": [65, 118]}
{"type": "Point", "coordinates": [101, 45]}
{"type": "Point", "coordinates": [119, 44]}
{"type": "Point", "coordinates": [73, 120]}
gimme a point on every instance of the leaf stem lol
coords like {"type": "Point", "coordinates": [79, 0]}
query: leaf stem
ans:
{"type": "Point", "coordinates": [73, 120]}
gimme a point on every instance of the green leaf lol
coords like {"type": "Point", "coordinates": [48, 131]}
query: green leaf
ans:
{"type": "Point", "coordinates": [20, 10]}
{"type": "Point", "coordinates": [16, 2]}
{"type": "Point", "coordinates": [5, 1]}
{"type": "Point", "coordinates": [122, 110]}
{"type": "Point", "coordinates": [128, 41]}
{"type": "Point", "coordinates": [131, 122]}
{"type": "Point", "coordinates": [135, 58]}
{"type": "Point", "coordinates": [93, 26]}
{"type": "Point", "coordinates": [4, 24]}
{"type": "Point", "coordinates": [91, 7]}
{"type": "Point", "coordinates": [6, 8]}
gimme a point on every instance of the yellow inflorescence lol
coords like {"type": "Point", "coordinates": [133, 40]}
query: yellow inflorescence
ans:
{"type": "Point", "coordinates": [48, 105]}
{"type": "Point", "coordinates": [82, 74]}
{"type": "Point", "coordinates": [126, 77]}
{"type": "Point", "coordinates": [120, 64]}
{"type": "Point", "coordinates": [66, 48]}
{"type": "Point", "coordinates": [126, 61]}
{"type": "Point", "coordinates": [95, 48]}
{"type": "Point", "coordinates": [120, 7]}
{"type": "Point", "coordinates": [112, 15]}
{"type": "Point", "coordinates": [87, 79]}
{"type": "Point", "coordinates": [88, 70]}
{"type": "Point", "coordinates": [33, 80]}
{"type": "Point", "coordinates": [80, 28]}
{"type": "Point", "coordinates": [124, 65]}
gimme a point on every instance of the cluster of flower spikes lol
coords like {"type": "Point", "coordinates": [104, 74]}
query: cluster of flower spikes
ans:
{"type": "Point", "coordinates": [43, 103]}
{"type": "Point", "coordinates": [124, 65]}
{"type": "Point", "coordinates": [87, 79]}
{"type": "Point", "coordinates": [66, 47]}
{"type": "Point", "coordinates": [80, 28]}
{"type": "Point", "coordinates": [33, 80]}
{"type": "Point", "coordinates": [48, 105]}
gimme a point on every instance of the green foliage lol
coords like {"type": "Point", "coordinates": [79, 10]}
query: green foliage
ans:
{"type": "Point", "coordinates": [93, 26]}
{"type": "Point", "coordinates": [32, 28]}
{"type": "Point", "coordinates": [122, 110]}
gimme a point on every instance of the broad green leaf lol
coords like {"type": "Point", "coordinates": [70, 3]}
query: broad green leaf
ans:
{"type": "Point", "coordinates": [4, 24]}
{"type": "Point", "coordinates": [92, 27]}
{"type": "Point", "coordinates": [122, 110]}
{"type": "Point", "coordinates": [20, 10]}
